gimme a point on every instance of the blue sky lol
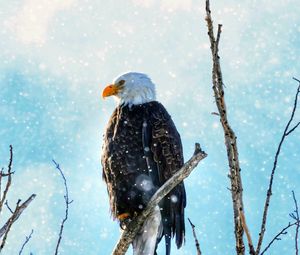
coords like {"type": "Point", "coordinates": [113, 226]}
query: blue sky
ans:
{"type": "Point", "coordinates": [57, 56]}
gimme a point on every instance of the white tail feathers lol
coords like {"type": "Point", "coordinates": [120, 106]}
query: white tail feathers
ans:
{"type": "Point", "coordinates": [145, 241]}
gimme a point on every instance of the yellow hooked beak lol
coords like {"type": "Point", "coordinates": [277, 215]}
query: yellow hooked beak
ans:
{"type": "Point", "coordinates": [110, 90]}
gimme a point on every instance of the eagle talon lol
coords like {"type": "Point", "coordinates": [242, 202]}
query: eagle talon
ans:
{"type": "Point", "coordinates": [124, 223]}
{"type": "Point", "coordinates": [124, 219]}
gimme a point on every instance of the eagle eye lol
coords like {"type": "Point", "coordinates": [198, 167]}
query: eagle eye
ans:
{"type": "Point", "coordinates": [121, 82]}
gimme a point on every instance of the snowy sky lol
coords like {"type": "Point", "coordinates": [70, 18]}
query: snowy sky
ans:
{"type": "Point", "coordinates": [58, 55]}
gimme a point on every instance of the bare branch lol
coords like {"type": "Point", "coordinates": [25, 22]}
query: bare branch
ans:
{"type": "Point", "coordinates": [10, 223]}
{"type": "Point", "coordinates": [67, 202]}
{"type": "Point", "coordinates": [195, 237]}
{"type": "Point", "coordinates": [277, 237]}
{"type": "Point", "coordinates": [134, 226]}
{"type": "Point", "coordinates": [9, 173]}
{"type": "Point", "coordinates": [16, 214]}
{"type": "Point", "coordinates": [296, 217]}
{"type": "Point", "coordinates": [296, 79]}
{"type": "Point", "coordinates": [26, 241]}
{"type": "Point", "coordinates": [6, 203]}
{"type": "Point", "coordinates": [285, 134]}
{"type": "Point", "coordinates": [230, 138]}
{"type": "Point", "coordinates": [292, 129]}
{"type": "Point", "coordinates": [245, 227]}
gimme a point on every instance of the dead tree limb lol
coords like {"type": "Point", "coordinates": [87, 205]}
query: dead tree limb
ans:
{"type": "Point", "coordinates": [9, 173]}
{"type": "Point", "coordinates": [195, 237]}
{"type": "Point", "coordinates": [287, 131]}
{"type": "Point", "coordinates": [16, 214]}
{"type": "Point", "coordinates": [67, 203]}
{"type": "Point", "coordinates": [134, 226]}
{"type": "Point", "coordinates": [230, 138]}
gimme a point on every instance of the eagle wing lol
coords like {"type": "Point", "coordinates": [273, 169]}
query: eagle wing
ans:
{"type": "Point", "coordinates": [167, 152]}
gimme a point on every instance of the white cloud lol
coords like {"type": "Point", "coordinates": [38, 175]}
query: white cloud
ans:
{"type": "Point", "coordinates": [166, 5]}
{"type": "Point", "coordinates": [32, 21]}
{"type": "Point", "coordinates": [173, 5]}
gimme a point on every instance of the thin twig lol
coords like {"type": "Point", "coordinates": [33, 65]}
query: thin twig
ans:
{"type": "Point", "coordinates": [277, 237]}
{"type": "Point", "coordinates": [8, 207]}
{"type": "Point", "coordinates": [26, 241]}
{"type": "Point", "coordinates": [9, 173]}
{"type": "Point", "coordinates": [195, 237]}
{"type": "Point", "coordinates": [134, 226]}
{"type": "Point", "coordinates": [67, 202]}
{"type": "Point", "coordinates": [287, 132]}
{"type": "Point", "coordinates": [295, 216]}
{"type": "Point", "coordinates": [230, 138]}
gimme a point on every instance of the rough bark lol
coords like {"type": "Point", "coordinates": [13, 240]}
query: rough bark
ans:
{"type": "Point", "coordinates": [229, 135]}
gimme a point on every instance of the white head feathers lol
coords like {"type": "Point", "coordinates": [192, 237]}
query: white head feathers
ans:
{"type": "Point", "coordinates": [138, 88]}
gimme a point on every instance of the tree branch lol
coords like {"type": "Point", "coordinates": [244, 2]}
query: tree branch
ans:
{"type": "Point", "coordinates": [295, 216]}
{"type": "Point", "coordinates": [26, 241]}
{"type": "Point", "coordinates": [195, 237]}
{"type": "Point", "coordinates": [134, 226]}
{"type": "Point", "coordinates": [9, 173]}
{"type": "Point", "coordinates": [287, 131]}
{"type": "Point", "coordinates": [16, 214]}
{"type": "Point", "coordinates": [245, 227]}
{"type": "Point", "coordinates": [67, 202]}
{"type": "Point", "coordinates": [230, 138]}
{"type": "Point", "coordinates": [277, 237]}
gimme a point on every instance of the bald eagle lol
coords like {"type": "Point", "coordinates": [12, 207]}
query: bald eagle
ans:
{"type": "Point", "coordinates": [141, 151]}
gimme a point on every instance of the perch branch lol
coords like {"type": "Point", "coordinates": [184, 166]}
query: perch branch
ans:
{"type": "Point", "coordinates": [195, 237]}
{"type": "Point", "coordinates": [287, 131]}
{"type": "Point", "coordinates": [26, 241]}
{"type": "Point", "coordinates": [67, 203]}
{"type": "Point", "coordinates": [134, 226]}
{"type": "Point", "coordinates": [230, 138]}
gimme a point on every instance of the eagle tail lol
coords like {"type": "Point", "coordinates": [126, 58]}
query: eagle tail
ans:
{"type": "Point", "coordinates": [145, 241]}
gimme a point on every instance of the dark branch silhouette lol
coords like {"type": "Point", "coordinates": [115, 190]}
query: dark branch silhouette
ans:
{"type": "Point", "coordinates": [277, 237]}
{"type": "Point", "coordinates": [8, 207]}
{"type": "Point", "coordinates": [67, 203]}
{"type": "Point", "coordinates": [26, 241]}
{"type": "Point", "coordinates": [195, 237]}
{"type": "Point", "coordinates": [295, 216]}
{"type": "Point", "coordinates": [287, 131]}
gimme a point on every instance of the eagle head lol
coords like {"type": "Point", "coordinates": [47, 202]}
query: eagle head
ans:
{"type": "Point", "coordinates": [131, 88]}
